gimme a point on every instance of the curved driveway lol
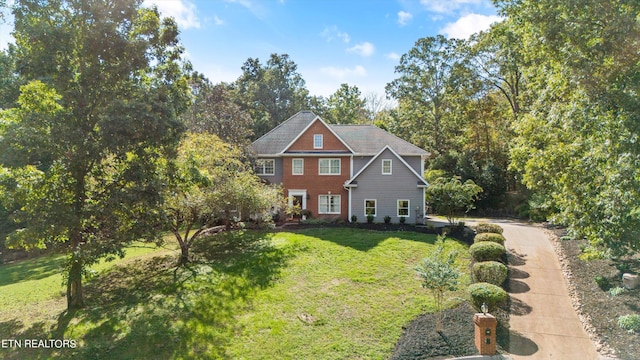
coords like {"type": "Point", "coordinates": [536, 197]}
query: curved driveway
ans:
{"type": "Point", "coordinates": [543, 322]}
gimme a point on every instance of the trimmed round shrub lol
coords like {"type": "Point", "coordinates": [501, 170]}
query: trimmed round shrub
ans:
{"type": "Point", "coordinates": [486, 251]}
{"type": "Point", "coordinates": [490, 294]}
{"type": "Point", "coordinates": [491, 272]}
{"type": "Point", "coordinates": [488, 228]}
{"type": "Point", "coordinates": [493, 237]}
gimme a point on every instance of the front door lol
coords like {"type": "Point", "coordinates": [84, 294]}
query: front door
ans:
{"type": "Point", "coordinates": [297, 203]}
{"type": "Point", "coordinates": [299, 198]}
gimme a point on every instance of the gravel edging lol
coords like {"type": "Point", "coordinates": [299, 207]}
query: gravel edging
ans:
{"type": "Point", "coordinates": [601, 346]}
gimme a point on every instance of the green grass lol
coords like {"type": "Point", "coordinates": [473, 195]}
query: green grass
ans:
{"type": "Point", "coordinates": [319, 293]}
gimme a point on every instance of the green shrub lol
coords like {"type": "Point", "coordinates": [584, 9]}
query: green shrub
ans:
{"type": "Point", "coordinates": [402, 220]}
{"type": "Point", "coordinates": [387, 219]}
{"type": "Point", "coordinates": [616, 291]}
{"type": "Point", "coordinates": [493, 237]}
{"type": "Point", "coordinates": [631, 323]}
{"type": "Point", "coordinates": [486, 251]}
{"type": "Point", "coordinates": [603, 283]}
{"type": "Point", "coordinates": [490, 294]}
{"type": "Point", "coordinates": [491, 272]}
{"type": "Point", "coordinates": [482, 228]}
{"type": "Point", "coordinates": [370, 219]}
{"type": "Point", "coordinates": [354, 219]}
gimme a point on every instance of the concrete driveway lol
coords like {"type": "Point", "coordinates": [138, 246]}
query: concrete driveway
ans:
{"type": "Point", "coordinates": [543, 322]}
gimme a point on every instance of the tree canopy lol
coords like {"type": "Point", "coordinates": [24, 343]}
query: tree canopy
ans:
{"type": "Point", "coordinates": [209, 181]}
{"type": "Point", "coordinates": [104, 85]}
{"type": "Point", "coordinates": [576, 146]}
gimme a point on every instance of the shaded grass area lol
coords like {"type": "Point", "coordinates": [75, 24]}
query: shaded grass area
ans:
{"type": "Point", "coordinates": [316, 293]}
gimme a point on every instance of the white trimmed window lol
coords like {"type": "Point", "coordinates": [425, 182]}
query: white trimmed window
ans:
{"type": "Point", "coordinates": [370, 207]}
{"type": "Point", "coordinates": [403, 208]}
{"type": "Point", "coordinates": [387, 167]}
{"type": "Point", "coordinates": [317, 141]}
{"type": "Point", "coordinates": [297, 166]}
{"type": "Point", "coordinates": [329, 166]}
{"type": "Point", "coordinates": [266, 167]}
{"type": "Point", "coordinates": [329, 204]}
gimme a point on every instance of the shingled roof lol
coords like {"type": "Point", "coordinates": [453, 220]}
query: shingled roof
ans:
{"type": "Point", "coordinates": [276, 140]}
{"type": "Point", "coordinates": [363, 139]}
{"type": "Point", "coordinates": [369, 140]}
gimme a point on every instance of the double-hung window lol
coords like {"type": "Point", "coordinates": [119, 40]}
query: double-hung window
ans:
{"type": "Point", "coordinates": [370, 207]}
{"type": "Point", "coordinates": [387, 168]}
{"type": "Point", "coordinates": [329, 166]}
{"type": "Point", "coordinates": [403, 208]}
{"type": "Point", "coordinates": [297, 166]}
{"type": "Point", "coordinates": [329, 204]}
{"type": "Point", "coordinates": [265, 167]}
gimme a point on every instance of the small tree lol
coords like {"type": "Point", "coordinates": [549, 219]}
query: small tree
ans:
{"type": "Point", "coordinates": [205, 184]}
{"type": "Point", "coordinates": [451, 196]}
{"type": "Point", "coordinates": [439, 274]}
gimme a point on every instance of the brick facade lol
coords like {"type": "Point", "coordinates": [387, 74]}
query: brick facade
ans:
{"type": "Point", "coordinates": [305, 141]}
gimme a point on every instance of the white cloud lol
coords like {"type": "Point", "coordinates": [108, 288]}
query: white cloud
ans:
{"type": "Point", "coordinates": [332, 32]}
{"type": "Point", "coordinates": [447, 6]}
{"type": "Point", "coordinates": [404, 17]}
{"type": "Point", "coordinates": [468, 25]}
{"type": "Point", "coordinates": [344, 73]}
{"type": "Point", "coordinates": [365, 49]}
{"type": "Point", "coordinates": [183, 11]}
{"type": "Point", "coordinates": [393, 56]}
{"type": "Point", "coordinates": [255, 8]}
{"type": "Point", "coordinates": [217, 20]}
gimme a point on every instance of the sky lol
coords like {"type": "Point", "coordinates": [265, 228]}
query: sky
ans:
{"type": "Point", "coordinates": [358, 42]}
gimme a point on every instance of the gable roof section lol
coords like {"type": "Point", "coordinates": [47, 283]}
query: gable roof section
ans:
{"type": "Point", "coordinates": [370, 139]}
{"type": "Point", "coordinates": [280, 137]}
{"type": "Point", "coordinates": [325, 125]}
{"type": "Point", "coordinates": [421, 182]}
{"type": "Point", "coordinates": [359, 139]}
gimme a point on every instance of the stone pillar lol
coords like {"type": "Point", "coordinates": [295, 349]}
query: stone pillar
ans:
{"type": "Point", "coordinates": [485, 333]}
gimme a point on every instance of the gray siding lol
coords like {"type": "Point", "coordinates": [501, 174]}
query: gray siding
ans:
{"type": "Point", "coordinates": [359, 162]}
{"type": "Point", "coordinates": [387, 190]}
{"type": "Point", "coordinates": [277, 178]}
{"type": "Point", "coordinates": [414, 162]}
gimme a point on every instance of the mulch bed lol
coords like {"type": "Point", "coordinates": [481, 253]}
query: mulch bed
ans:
{"type": "Point", "coordinates": [420, 340]}
{"type": "Point", "coordinates": [596, 305]}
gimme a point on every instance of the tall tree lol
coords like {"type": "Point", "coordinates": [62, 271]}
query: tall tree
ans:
{"type": "Point", "coordinates": [272, 92]}
{"type": "Point", "coordinates": [346, 106]}
{"type": "Point", "coordinates": [214, 110]}
{"type": "Point", "coordinates": [497, 57]}
{"type": "Point", "coordinates": [577, 145]}
{"type": "Point", "coordinates": [426, 87]}
{"type": "Point", "coordinates": [9, 80]}
{"type": "Point", "coordinates": [105, 87]}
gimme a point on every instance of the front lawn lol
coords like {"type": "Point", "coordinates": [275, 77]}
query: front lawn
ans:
{"type": "Point", "coordinates": [316, 294]}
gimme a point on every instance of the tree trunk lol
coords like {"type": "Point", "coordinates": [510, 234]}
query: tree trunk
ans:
{"type": "Point", "coordinates": [75, 298]}
{"type": "Point", "coordinates": [184, 254]}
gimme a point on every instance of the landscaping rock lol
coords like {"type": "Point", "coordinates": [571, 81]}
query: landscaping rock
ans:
{"type": "Point", "coordinates": [630, 281]}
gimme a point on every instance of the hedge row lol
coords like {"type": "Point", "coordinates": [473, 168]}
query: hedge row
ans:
{"type": "Point", "coordinates": [488, 272]}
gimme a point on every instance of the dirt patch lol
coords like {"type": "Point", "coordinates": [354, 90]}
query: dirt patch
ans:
{"type": "Point", "coordinates": [596, 306]}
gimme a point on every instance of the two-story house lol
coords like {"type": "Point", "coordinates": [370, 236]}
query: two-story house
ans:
{"type": "Point", "coordinates": [337, 171]}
